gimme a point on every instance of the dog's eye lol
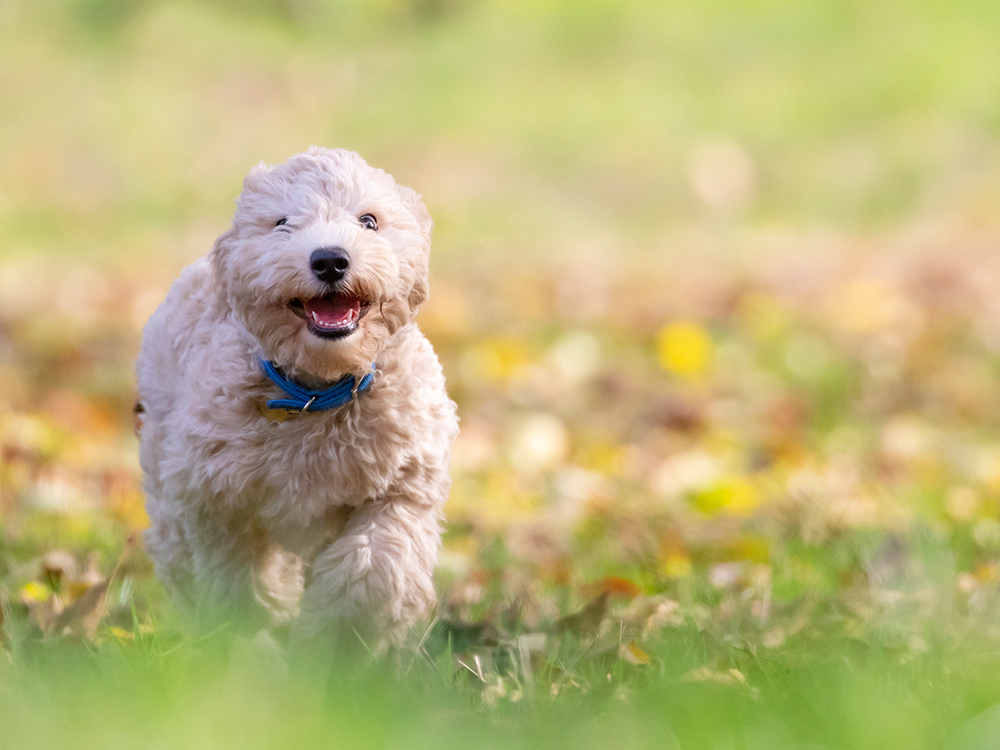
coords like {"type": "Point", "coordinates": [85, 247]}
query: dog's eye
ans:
{"type": "Point", "coordinates": [368, 222]}
{"type": "Point", "coordinates": [281, 222]}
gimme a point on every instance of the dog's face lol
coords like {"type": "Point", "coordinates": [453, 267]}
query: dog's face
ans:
{"type": "Point", "coordinates": [325, 260]}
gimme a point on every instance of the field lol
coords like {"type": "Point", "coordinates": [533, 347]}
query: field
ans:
{"type": "Point", "coordinates": [714, 285]}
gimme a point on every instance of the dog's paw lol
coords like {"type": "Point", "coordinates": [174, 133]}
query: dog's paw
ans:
{"type": "Point", "coordinates": [257, 660]}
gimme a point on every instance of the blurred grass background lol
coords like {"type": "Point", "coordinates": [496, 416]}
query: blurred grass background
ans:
{"type": "Point", "coordinates": [714, 285]}
{"type": "Point", "coordinates": [532, 127]}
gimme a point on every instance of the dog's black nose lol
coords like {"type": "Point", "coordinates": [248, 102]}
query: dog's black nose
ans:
{"type": "Point", "coordinates": [329, 264]}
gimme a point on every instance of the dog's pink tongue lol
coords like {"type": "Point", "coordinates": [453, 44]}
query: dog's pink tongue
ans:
{"type": "Point", "coordinates": [333, 311]}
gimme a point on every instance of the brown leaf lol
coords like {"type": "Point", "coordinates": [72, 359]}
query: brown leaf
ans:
{"type": "Point", "coordinates": [84, 615]}
{"type": "Point", "coordinates": [680, 414]}
{"type": "Point", "coordinates": [585, 622]}
{"type": "Point", "coordinates": [43, 612]}
{"type": "Point", "coordinates": [59, 566]}
{"type": "Point", "coordinates": [613, 586]}
{"type": "Point", "coordinates": [463, 636]}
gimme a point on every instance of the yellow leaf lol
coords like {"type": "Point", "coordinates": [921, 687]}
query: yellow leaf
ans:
{"type": "Point", "coordinates": [128, 506]}
{"type": "Point", "coordinates": [33, 591]}
{"type": "Point", "coordinates": [493, 361]}
{"type": "Point", "coordinates": [122, 634]}
{"type": "Point", "coordinates": [676, 565]}
{"type": "Point", "coordinates": [752, 548]}
{"type": "Point", "coordinates": [707, 674]}
{"type": "Point", "coordinates": [733, 495]}
{"type": "Point", "coordinates": [684, 348]}
{"type": "Point", "coordinates": [631, 653]}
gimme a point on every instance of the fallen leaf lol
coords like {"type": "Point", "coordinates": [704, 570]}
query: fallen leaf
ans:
{"type": "Point", "coordinates": [613, 586]}
{"type": "Point", "coordinates": [684, 348]}
{"type": "Point", "coordinates": [34, 592]}
{"type": "Point", "coordinates": [121, 633]}
{"type": "Point", "coordinates": [462, 636]}
{"type": "Point", "coordinates": [631, 653]}
{"type": "Point", "coordinates": [734, 495]}
{"type": "Point", "coordinates": [43, 612]}
{"type": "Point", "coordinates": [585, 622]}
{"type": "Point", "coordinates": [707, 674]}
{"type": "Point", "coordinates": [676, 565]}
{"type": "Point", "coordinates": [679, 414]}
{"type": "Point", "coordinates": [84, 615]}
{"type": "Point", "coordinates": [666, 612]}
{"type": "Point", "coordinates": [58, 566]}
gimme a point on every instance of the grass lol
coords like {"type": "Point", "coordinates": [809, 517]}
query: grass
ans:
{"type": "Point", "coordinates": [850, 695]}
{"type": "Point", "coordinates": [898, 660]}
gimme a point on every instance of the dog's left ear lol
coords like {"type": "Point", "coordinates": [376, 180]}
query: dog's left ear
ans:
{"type": "Point", "coordinates": [217, 259]}
{"type": "Point", "coordinates": [411, 199]}
{"type": "Point", "coordinates": [253, 179]}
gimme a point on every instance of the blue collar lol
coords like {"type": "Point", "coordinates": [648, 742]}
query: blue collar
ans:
{"type": "Point", "coordinates": [303, 400]}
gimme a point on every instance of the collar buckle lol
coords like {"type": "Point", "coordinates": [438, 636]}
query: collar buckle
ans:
{"type": "Point", "coordinates": [302, 401]}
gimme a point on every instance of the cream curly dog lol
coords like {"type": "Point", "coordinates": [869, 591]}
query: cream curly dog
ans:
{"type": "Point", "coordinates": [296, 432]}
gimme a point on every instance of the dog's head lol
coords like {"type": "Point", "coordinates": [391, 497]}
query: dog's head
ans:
{"type": "Point", "coordinates": [325, 260]}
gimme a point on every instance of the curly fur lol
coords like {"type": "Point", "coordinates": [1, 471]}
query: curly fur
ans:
{"type": "Point", "coordinates": [244, 509]}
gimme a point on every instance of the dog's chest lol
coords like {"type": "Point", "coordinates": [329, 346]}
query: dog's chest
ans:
{"type": "Point", "coordinates": [292, 473]}
{"type": "Point", "coordinates": [310, 462]}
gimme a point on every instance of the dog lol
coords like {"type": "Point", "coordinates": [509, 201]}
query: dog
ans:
{"type": "Point", "coordinates": [296, 432]}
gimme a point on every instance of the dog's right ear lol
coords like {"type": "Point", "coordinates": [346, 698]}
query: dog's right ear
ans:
{"type": "Point", "coordinates": [411, 199]}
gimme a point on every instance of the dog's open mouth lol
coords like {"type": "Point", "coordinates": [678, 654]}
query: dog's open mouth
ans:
{"type": "Point", "coordinates": [331, 317]}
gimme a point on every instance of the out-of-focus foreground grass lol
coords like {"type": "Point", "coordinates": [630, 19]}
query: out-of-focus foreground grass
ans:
{"type": "Point", "coordinates": [714, 285]}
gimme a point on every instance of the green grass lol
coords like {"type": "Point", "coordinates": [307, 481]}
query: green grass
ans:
{"type": "Point", "coordinates": [844, 693]}
{"type": "Point", "coordinates": [532, 125]}
{"type": "Point", "coordinates": [896, 661]}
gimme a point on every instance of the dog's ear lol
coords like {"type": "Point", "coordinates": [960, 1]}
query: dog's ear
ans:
{"type": "Point", "coordinates": [418, 292]}
{"type": "Point", "coordinates": [217, 258]}
{"type": "Point", "coordinates": [252, 180]}
{"type": "Point", "coordinates": [411, 199]}
{"type": "Point", "coordinates": [418, 271]}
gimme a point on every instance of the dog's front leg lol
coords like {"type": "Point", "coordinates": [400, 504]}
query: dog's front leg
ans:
{"type": "Point", "coordinates": [226, 548]}
{"type": "Point", "coordinates": [372, 582]}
